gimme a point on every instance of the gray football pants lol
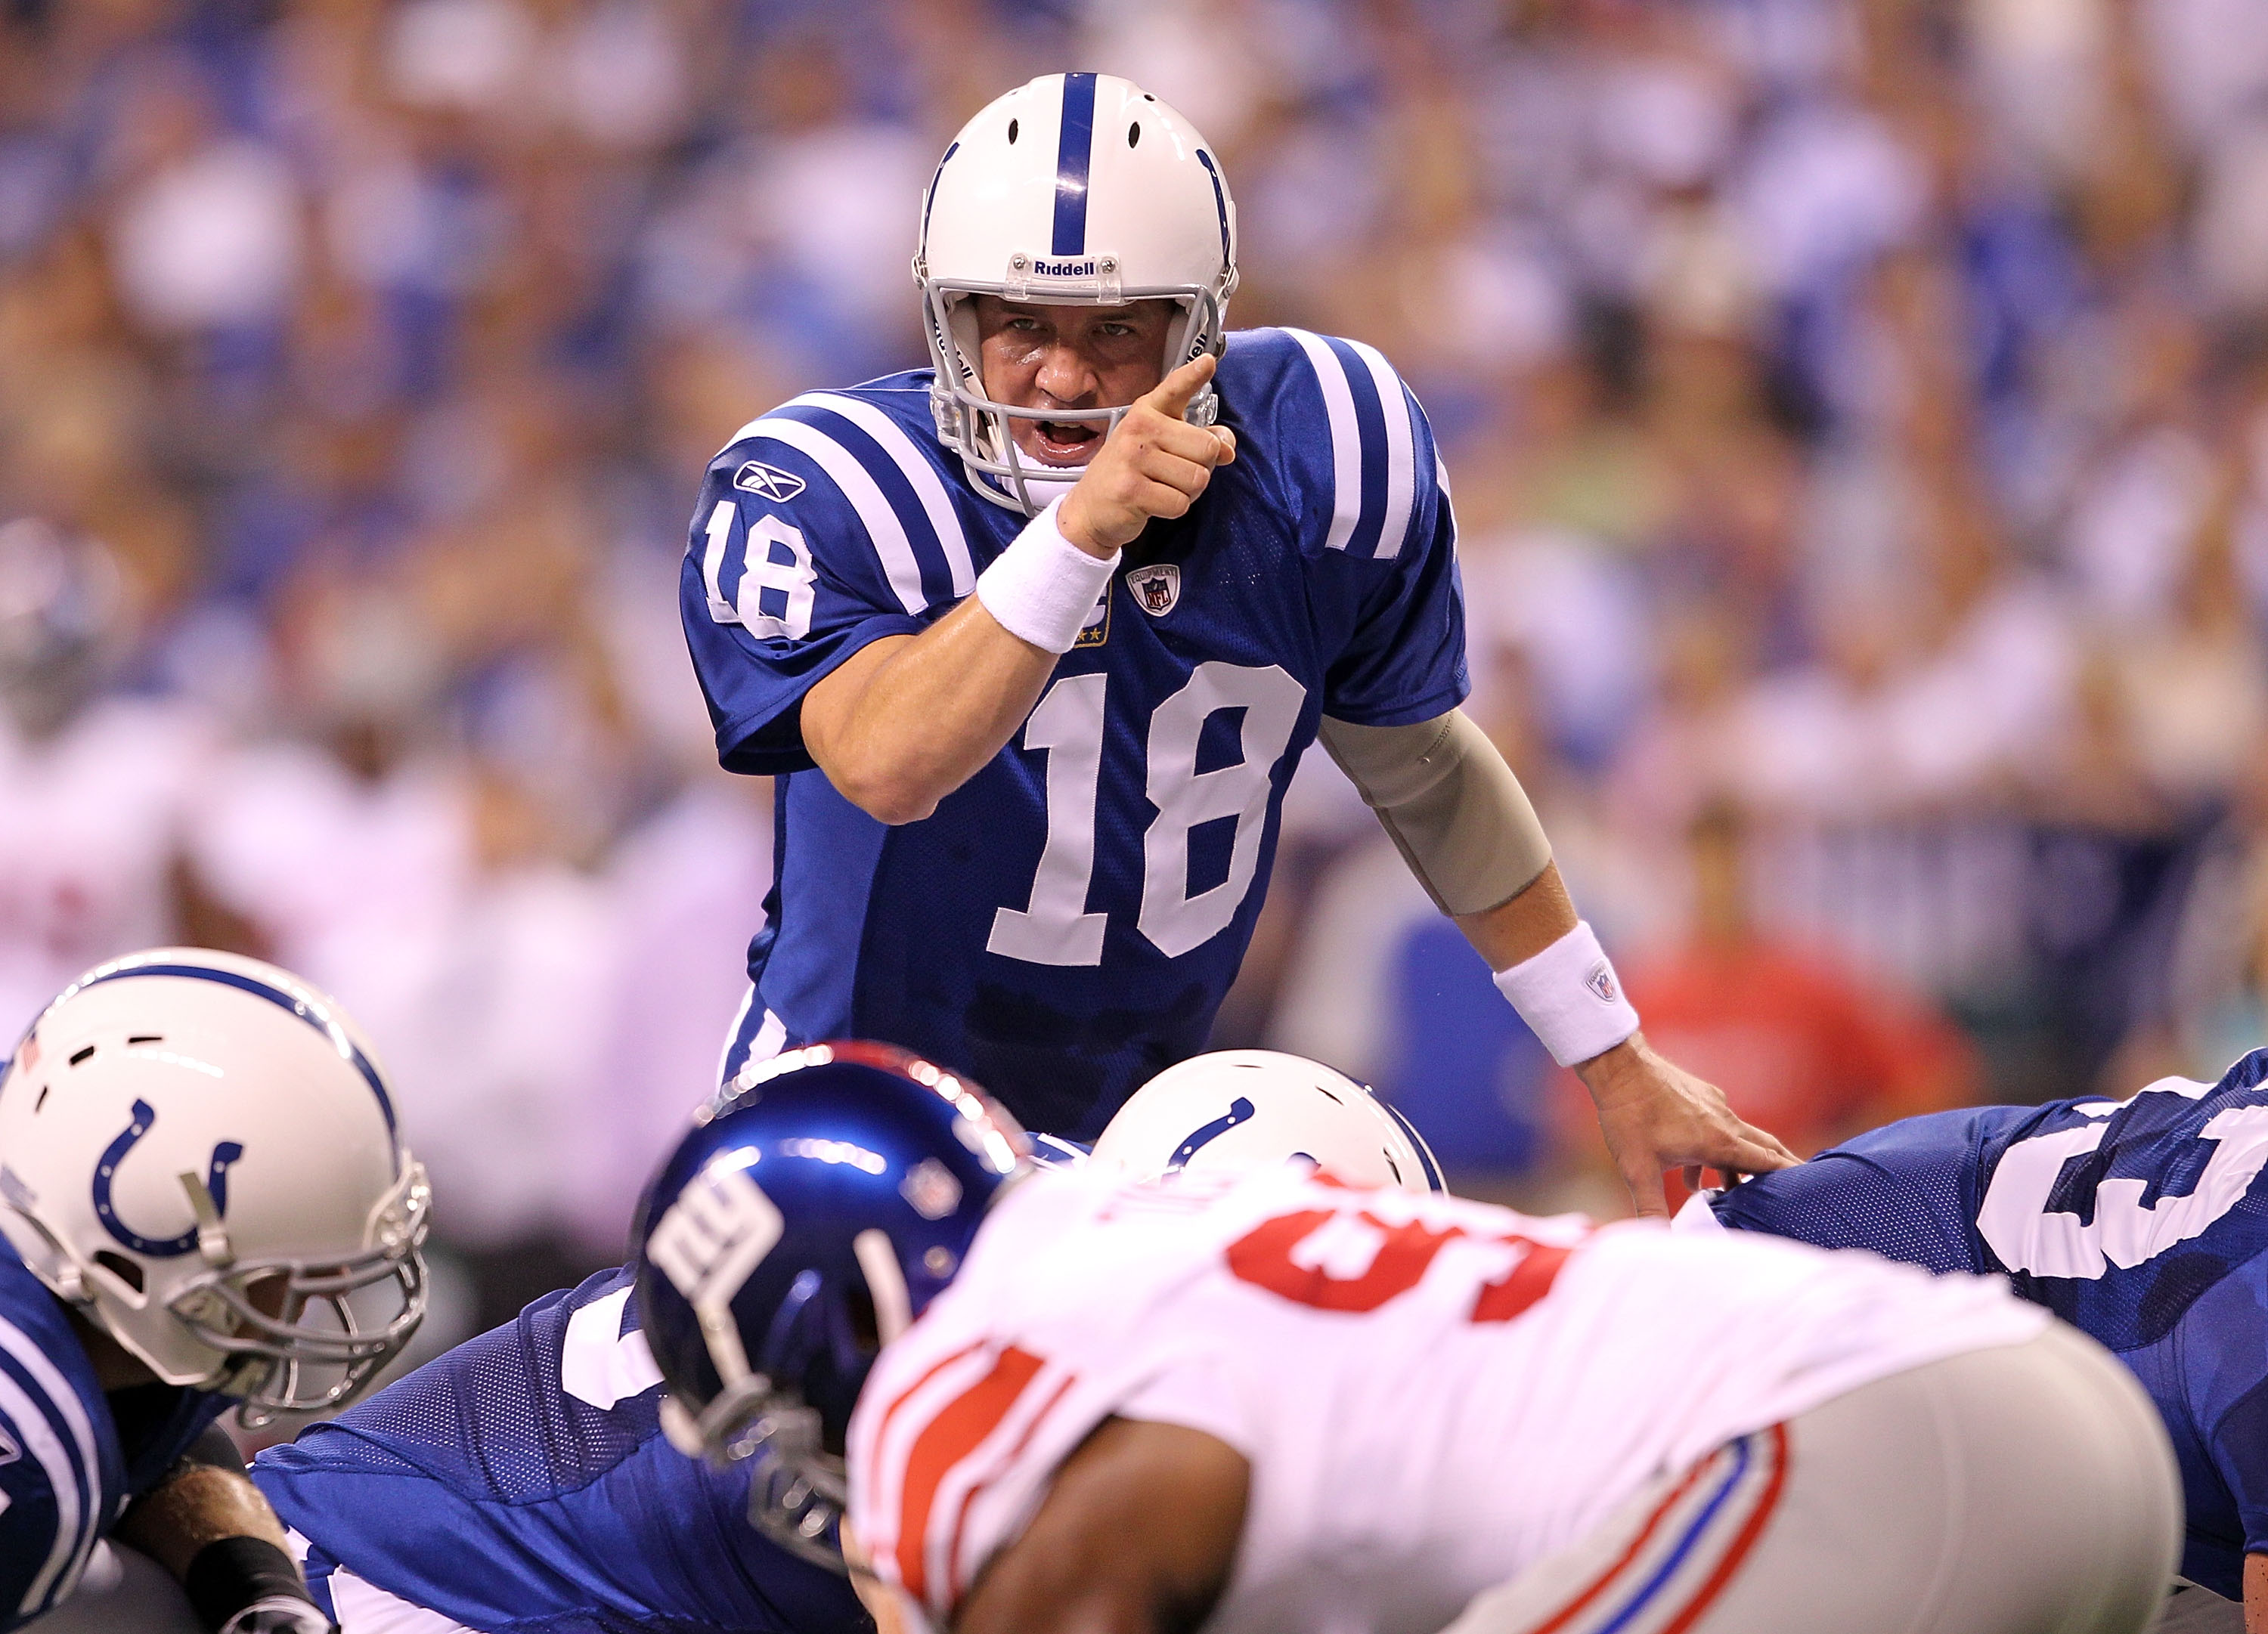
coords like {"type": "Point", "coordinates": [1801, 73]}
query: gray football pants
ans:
{"type": "Point", "coordinates": [2023, 1490]}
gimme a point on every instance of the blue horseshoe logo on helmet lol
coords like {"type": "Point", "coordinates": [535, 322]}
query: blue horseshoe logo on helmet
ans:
{"type": "Point", "coordinates": [1240, 1111]}
{"type": "Point", "coordinates": [145, 1118]}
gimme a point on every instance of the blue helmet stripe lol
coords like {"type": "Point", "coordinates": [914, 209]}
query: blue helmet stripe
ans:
{"type": "Point", "coordinates": [1072, 153]}
{"type": "Point", "coordinates": [929, 203]}
{"type": "Point", "coordinates": [275, 995]}
{"type": "Point", "coordinates": [1219, 201]}
{"type": "Point", "coordinates": [1433, 1180]}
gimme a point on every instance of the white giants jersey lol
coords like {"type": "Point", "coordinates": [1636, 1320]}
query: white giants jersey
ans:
{"type": "Point", "coordinates": [1433, 1394]}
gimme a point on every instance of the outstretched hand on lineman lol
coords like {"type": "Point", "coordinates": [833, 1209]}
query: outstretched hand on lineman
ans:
{"type": "Point", "coordinates": [1658, 1116]}
{"type": "Point", "coordinates": [1154, 463]}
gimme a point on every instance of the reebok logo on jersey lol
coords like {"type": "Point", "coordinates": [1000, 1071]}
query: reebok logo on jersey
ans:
{"type": "Point", "coordinates": [1602, 983]}
{"type": "Point", "coordinates": [1157, 588]}
{"type": "Point", "coordinates": [767, 481]}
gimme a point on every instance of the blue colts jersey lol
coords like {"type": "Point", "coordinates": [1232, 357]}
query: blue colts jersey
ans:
{"type": "Point", "coordinates": [2140, 1222]}
{"type": "Point", "coordinates": [521, 1482]}
{"type": "Point", "coordinates": [70, 1457]}
{"type": "Point", "coordinates": [1067, 922]}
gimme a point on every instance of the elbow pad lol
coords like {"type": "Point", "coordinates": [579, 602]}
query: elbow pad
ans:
{"type": "Point", "coordinates": [1449, 804]}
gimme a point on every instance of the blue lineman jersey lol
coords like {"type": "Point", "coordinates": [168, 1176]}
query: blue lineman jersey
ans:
{"type": "Point", "coordinates": [2140, 1222]}
{"type": "Point", "coordinates": [70, 1457]}
{"type": "Point", "coordinates": [1068, 922]}
{"type": "Point", "coordinates": [520, 1484]}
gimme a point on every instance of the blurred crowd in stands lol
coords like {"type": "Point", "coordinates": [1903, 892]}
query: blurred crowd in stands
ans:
{"type": "Point", "coordinates": [1857, 409]}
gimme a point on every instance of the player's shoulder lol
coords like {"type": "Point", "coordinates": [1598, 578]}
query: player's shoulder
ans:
{"type": "Point", "coordinates": [856, 470]}
{"type": "Point", "coordinates": [57, 1455]}
{"type": "Point", "coordinates": [1334, 426]}
{"type": "Point", "coordinates": [839, 444]}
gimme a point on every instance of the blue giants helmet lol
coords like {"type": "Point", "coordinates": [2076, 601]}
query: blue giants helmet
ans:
{"type": "Point", "coordinates": [815, 1210]}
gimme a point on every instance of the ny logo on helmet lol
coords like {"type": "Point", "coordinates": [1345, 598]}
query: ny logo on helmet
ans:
{"type": "Point", "coordinates": [718, 1231]}
{"type": "Point", "coordinates": [106, 1174]}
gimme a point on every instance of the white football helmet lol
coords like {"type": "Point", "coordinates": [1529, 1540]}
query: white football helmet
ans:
{"type": "Point", "coordinates": [1243, 1108]}
{"type": "Point", "coordinates": [197, 1151]}
{"type": "Point", "coordinates": [1075, 190]}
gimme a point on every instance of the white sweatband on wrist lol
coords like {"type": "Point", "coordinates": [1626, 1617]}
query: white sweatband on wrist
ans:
{"type": "Point", "coordinates": [1569, 998]}
{"type": "Point", "coordinates": [1043, 588]}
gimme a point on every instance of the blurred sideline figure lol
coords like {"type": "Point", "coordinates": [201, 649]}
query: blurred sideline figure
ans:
{"type": "Point", "coordinates": [1032, 641]}
{"type": "Point", "coordinates": [2144, 1223]}
{"type": "Point", "coordinates": [205, 1205]}
{"type": "Point", "coordinates": [1258, 1401]}
{"type": "Point", "coordinates": [95, 789]}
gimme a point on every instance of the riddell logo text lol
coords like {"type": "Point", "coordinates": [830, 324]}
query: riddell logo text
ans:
{"type": "Point", "coordinates": [1063, 268]}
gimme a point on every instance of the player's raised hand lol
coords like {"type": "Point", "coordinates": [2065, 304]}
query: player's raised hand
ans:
{"type": "Point", "coordinates": [1657, 1116]}
{"type": "Point", "coordinates": [1156, 463]}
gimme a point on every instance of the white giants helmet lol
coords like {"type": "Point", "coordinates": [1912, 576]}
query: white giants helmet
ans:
{"type": "Point", "coordinates": [197, 1152]}
{"type": "Point", "coordinates": [1076, 190]}
{"type": "Point", "coordinates": [1244, 1108]}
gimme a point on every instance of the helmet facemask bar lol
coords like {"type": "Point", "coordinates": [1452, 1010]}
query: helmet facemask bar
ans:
{"type": "Point", "coordinates": [306, 1334]}
{"type": "Point", "coordinates": [798, 1491]}
{"type": "Point", "coordinates": [979, 429]}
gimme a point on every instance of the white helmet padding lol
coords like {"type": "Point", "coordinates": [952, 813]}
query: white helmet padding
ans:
{"type": "Point", "coordinates": [1243, 1108]}
{"type": "Point", "coordinates": [1080, 190]}
{"type": "Point", "coordinates": [197, 1151]}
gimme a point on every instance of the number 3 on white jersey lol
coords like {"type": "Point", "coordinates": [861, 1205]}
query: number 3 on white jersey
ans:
{"type": "Point", "coordinates": [1054, 927]}
{"type": "Point", "coordinates": [2015, 1223]}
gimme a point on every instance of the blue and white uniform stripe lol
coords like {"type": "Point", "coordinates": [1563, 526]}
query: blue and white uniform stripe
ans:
{"type": "Point", "coordinates": [50, 1422]}
{"type": "Point", "coordinates": [1373, 446]}
{"type": "Point", "coordinates": [894, 488]}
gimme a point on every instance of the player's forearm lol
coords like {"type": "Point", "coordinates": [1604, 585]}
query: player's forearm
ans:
{"type": "Point", "coordinates": [908, 720]}
{"type": "Point", "coordinates": [197, 1505]}
{"type": "Point", "coordinates": [2256, 1594]}
{"type": "Point", "coordinates": [1511, 933]}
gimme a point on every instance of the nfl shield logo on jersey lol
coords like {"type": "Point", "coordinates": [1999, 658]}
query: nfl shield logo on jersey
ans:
{"type": "Point", "coordinates": [1156, 588]}
{"type": "Point", "coordinates": [769, 481]}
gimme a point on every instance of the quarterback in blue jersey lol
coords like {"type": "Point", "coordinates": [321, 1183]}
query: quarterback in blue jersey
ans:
{"type": "Point", "coordinates": [2144, 1223]}
{"type": "Point", "coordinates": [1032, 639]}
{"type": "Point", "coordinates": [198, 1168]}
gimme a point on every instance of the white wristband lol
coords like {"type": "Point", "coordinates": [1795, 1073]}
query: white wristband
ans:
{"type": "Point", "coordinates": [1043, 588]}
{"type": "Point", "coordinates": [1568, 995]}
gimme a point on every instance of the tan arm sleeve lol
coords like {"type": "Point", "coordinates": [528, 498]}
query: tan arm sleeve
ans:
{"type": "Point", "coordinates": [1449, 803]}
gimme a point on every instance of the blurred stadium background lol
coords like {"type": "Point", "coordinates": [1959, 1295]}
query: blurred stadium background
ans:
{"type": "Point", "coordinates": [1857, 411]}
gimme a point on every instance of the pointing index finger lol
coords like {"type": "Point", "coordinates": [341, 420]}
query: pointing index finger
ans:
{"type": "Point", "coordinates": [1172, 394]}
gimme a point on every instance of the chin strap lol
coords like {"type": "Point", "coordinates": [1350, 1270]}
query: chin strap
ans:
{"type": "Point", "coordinates": [213, 1245]}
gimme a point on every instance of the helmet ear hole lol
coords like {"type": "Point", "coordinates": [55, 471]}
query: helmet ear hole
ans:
{"type": "Point", "coordinates": [119, 1266]}
{"type": "Point", "coordinates": [1013, 127]}
{"type": "Point", "coordinates": [1134, 134]}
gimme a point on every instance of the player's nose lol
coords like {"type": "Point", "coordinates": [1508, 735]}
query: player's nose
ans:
{"type": "Point", "coordinates": [1066, 377]}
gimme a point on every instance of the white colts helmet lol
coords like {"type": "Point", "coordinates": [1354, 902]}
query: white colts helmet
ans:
{"type": "Point", "coordinates": [197, 1151]}
{"type": "Point", "coordinates": [1077, 190]}
{"type": "Point", "coordinates": [1245, 1109]}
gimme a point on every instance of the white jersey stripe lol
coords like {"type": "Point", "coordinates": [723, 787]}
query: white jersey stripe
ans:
{"type": "Point", "coordinates": [1401, 455]}
{"type": "Point", "coordinates": [65, 1400]}
{"type": "Point", "coordinates": [883, 527]}
{"type": "Point", "coordinates": [1346, 437]}
{"type": "Point", "coordinates": [927, 486]}
{"type": "Point", "coordinates": [75, 1501]}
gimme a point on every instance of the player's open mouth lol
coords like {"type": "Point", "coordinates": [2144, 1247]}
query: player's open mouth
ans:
{"type": "Point", "coordinates": [1063, 442]}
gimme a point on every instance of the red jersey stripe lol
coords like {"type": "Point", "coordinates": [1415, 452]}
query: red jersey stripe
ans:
{"type": "Point", "coordinates": [954, 1585]}
{"type": "Point", "coordinates": [947, 1438]}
